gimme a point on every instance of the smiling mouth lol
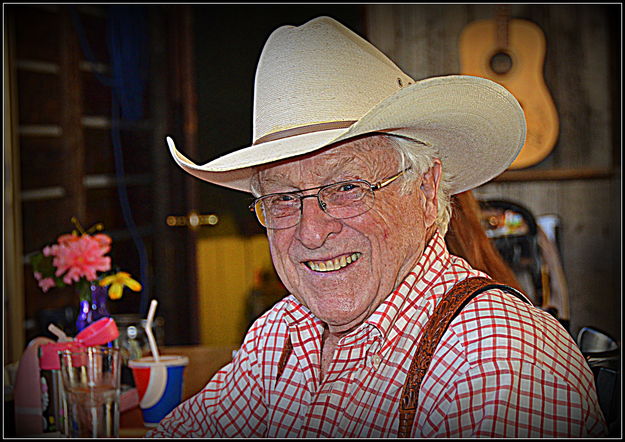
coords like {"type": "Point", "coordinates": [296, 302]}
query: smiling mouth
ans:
{"type": "Point", "coordinates": [333, 264]}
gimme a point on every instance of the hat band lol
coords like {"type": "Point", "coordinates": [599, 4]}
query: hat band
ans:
{"type": "Point", "coordinates": [318, 127]}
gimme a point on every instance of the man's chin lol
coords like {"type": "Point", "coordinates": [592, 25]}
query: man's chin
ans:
{"type": "Point", "coordinates": [338, 312]}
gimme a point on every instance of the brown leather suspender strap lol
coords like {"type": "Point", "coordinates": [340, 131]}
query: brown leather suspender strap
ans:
{"type": "Point", "coordinates": [284, 357]}
{"type": "Point", "coordinates": [446, 310]}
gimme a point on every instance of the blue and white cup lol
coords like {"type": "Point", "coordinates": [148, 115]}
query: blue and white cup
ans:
{"type": "Point", "coordinates": [159, 384]}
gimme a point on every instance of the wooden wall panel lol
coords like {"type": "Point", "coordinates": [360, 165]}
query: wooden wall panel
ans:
{"type": "Point", "coordinates": [581, 73]}
{"type": "Point", "coordinates": [104, 206]}
{"type": "Point", "coordinates": [136, 150]}
{"type": "Point", "coordinates": [96, 97]}
{"type": "Point", "coordinates": [44, 220]}
{"type": "Point", "coordinates": [579, 79]}
{"type": "Point", "coordinates": [423, 40]}
{"type": "Point", "coordinates": [57, 298]}
{"type": "Point", "coordinates": [63, 119]}
{"type": "Point", "coordinates": [38, 32]}
{"type": "Point", "coordinates": [125, 256]}
{"type": "Point", "coordinates": [94, 21]}
{"type": "Point", "coordinates": [13, 277]}
{"type": "Point", "coordinates": [39, 96]}
{"type": "Point", "coordinates": [38, 156]}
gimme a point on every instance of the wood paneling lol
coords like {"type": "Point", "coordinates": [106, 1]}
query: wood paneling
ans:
{"type": "Point", "coordinates": [38, 32]}
{"type": "Point", "coordinates": [96, 97]}
{"type": "Point", "coordinates": [65, 143]}
{"type": "Point", "coordinates": [104, 206]}
{"type": "Point", "coordinates": [44, 220]}
{"type": "Point", "coordinates": [94, 21]}
{"type": "Point", "coordinates": [38, 300]}
{"type": "Point", "coordinates": [423, 40]}
{"type": "Point", "coordinates": [136, 150]}
{"type": "Point", "coordinates": [13, 278]}
{"type": "Point", "coordinates": [581, 73]}
{"type": "Point", "coordinates": [39, 97]}
{"type": "Point", "coordinates": [38, 155]}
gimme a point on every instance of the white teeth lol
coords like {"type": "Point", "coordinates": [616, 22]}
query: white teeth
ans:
{"type": "Point", "coordinates": [335, 264]}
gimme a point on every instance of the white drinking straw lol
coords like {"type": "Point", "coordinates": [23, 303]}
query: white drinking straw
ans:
{"type": "Point", "coordinates": [59, 333]}
{"type": "Point", "coordinates": [148, 330]}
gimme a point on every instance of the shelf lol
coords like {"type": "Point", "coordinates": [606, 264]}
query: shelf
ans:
{"type": "Point", "coordinates": [556, 174]}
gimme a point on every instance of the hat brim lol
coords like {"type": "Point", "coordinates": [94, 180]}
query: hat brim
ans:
{"type": "Point", "coordinates": [475, 124]}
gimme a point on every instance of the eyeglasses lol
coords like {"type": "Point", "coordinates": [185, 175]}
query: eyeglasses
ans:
{"type": "Point", "coordinates": [345, 199]}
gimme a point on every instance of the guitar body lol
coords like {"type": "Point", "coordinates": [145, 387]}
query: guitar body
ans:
{"type": "Point", "coordinates": [522, 76]}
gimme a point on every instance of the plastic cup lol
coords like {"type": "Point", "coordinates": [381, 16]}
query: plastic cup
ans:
{"type": "Point", "coordinates": [91, 383]}
{"type": "Point", "coordinates": [159, 384]}
{"type": "Point", "coordinates": [55, 403]}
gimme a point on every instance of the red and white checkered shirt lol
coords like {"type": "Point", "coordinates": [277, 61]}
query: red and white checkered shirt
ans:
{"type": "Point", "coordinates": [502, 369]}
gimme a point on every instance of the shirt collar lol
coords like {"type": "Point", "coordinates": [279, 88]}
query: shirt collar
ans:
{"type": "Point", "coordinates": [413, 290]}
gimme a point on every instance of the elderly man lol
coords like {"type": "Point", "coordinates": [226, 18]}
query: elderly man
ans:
{"type": "Point", "coordinates": [385, 333]}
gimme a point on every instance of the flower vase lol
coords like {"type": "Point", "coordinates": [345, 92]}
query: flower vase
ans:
{"type": "Point", "coordinates": [91, 311]}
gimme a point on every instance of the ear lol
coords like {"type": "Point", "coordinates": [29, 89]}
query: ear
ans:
{"type": "Point", "coordinates": [429, 186]}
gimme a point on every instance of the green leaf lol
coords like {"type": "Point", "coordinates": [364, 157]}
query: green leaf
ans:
{"type": "Point", "coordinates": [35, 260]}
{"type": "Point", "coordinates": [84, 290]}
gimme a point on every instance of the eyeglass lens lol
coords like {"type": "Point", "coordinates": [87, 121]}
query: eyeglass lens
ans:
{"type": "Point", "coordinates": [340, 200]}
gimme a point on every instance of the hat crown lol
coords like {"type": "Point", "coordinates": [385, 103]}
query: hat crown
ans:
{"type": "Point", "coordinates": [319, 72]}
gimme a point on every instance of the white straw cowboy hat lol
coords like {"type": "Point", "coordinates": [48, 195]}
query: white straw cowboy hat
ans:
{"type": "Point", "coordinates": [320, 83]}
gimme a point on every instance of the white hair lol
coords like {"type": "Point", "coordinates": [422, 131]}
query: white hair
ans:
{"type": "Point", "coordinates": [419, 157]}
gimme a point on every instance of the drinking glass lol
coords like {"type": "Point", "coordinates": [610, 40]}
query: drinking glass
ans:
{"type": "Point", "coordinates": [91, 381]}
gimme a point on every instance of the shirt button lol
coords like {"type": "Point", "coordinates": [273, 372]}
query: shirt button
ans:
{"type": "Point", "coordinates": [375, 360]}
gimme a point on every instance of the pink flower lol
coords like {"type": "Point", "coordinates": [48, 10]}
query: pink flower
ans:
{"type": "Point", "coordinates": [38, 276]}
{"type": "Point", "coordinates": [68, 239]}
{"type": "Point", "coordinates": [46, 284]}
{"type": "Point", "coordinates": [104, 241]}
{"type": "Point", "coordinates": [80, 256]}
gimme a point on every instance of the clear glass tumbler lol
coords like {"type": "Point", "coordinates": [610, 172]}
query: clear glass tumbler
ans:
{"type": "Point", "coordinates": [91, 381]}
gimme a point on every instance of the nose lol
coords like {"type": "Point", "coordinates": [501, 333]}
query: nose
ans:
{"type": "Point", "coordinates": [315, 226]}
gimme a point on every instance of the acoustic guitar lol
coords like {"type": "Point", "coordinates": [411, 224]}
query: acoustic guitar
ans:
{"type": "Point", "coordinates": [511, 52]}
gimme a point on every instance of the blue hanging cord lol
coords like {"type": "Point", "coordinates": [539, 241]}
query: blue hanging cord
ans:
{"type": "Point", "coordinates": [84, 45]}
{"type": "Point", "coordinates": [128, 47]}
{"type": "Point", "coordinates": [126, 210]}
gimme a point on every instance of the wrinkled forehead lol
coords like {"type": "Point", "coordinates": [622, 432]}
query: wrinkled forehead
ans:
{"type": "Point", "coordinates": [368, 158]}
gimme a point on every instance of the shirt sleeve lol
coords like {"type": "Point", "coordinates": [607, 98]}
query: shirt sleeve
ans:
{"type": "Point", "coordinates": [231, 404]}
{"type": "Point", "coordinates": [514, 398]}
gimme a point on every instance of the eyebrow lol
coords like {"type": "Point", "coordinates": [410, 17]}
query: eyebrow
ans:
{"type": "Point", "coordinates": [334, 168]}
{"type": "Point", "coordinates": [279, 179]}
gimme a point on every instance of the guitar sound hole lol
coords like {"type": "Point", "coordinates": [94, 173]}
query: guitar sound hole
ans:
{"type": "Point", "coordinates": [501, 63]}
